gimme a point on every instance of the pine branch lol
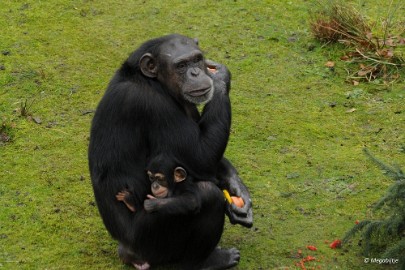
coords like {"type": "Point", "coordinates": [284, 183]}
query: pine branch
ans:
{"type": "Point", "coordinates": [356, 228]}
{"type": "Point", "coordinates": [371, 229]}
{"type": "Point", "coordinates": [388, 233]}
{"type": "Point", "coordinates": [398, 248]}
{"type": "Point", "coordinates": [397, 174]}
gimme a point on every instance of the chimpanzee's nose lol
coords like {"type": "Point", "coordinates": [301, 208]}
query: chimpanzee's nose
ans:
{"type": "Point", "coordinates": [195, 71]}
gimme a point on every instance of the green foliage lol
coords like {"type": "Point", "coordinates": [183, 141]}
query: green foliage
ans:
{"type": "Point", "coordinates": [387, 235]}
{"type": "Point", "coordinates": [375, 53]}
{"type": "Point", "coordinates": [337, 20]}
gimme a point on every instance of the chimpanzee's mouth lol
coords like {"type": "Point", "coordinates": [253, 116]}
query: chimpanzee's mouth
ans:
{"type": "Point", "coordinates": [199, 92]}
{"type": "Point", "coordinates": [161, 194]}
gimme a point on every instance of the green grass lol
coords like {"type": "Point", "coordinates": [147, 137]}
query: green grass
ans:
{"type": "Point", "coordinates": [293, 140]}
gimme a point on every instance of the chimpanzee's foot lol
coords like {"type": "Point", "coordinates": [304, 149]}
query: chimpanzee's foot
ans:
{"type": "Point", "coordinates": [125, 254]}
{"type": "Point", "coordinates": [129, 257]}
{"type": "Point", "coordinates": [143, 266]}
{"type": "Point", "coordinates": [220, 259]}
{"type": "Point", "coordinates": [122, 196]}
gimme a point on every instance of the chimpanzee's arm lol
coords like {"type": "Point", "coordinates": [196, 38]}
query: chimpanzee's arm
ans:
{"type": "Point", "coordinates": [179, 205]}
{"type": "Point", "coordinates": [229, 179]}
{"type": "Point", "coordinates": [215, 121]}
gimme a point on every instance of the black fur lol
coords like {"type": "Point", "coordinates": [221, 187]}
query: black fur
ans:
{"type": "Point", "coordinates": [137, 118]}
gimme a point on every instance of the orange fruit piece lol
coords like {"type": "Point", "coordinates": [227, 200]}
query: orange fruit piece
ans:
{"type": "Point", "coordinates": [238, 201]}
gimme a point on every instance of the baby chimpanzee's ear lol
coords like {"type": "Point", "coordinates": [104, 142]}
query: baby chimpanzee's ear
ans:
{"type": "Point", "coordinates": [179, 174]}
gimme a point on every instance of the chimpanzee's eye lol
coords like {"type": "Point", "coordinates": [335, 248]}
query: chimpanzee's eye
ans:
{"type": "Point", "coordinates": [181, 66]}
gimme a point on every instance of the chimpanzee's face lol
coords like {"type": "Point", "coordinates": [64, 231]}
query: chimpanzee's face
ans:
{"type": "Point", "coordinates": [180, 67]}
{"type": "Point", "coordinates": [160, 182]}
{"type": "Point", "coordinates": [159, 185]}
{"type": "Point", "coordinates": [185, 71]}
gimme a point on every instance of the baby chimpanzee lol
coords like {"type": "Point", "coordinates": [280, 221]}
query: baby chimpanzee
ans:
{"type": "Point", "coordinates": [159, 188]}
{"type": "Point", "coordinates": [171, 194]}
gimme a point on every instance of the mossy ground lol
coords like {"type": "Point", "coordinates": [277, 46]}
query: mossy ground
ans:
{"type": "Point", "coordinates": [295, 139]}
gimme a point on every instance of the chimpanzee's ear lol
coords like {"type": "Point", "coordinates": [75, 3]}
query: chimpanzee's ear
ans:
{"type": "Point", "coordinates": [148, 65]}
{"type": "Point", "coordinates": [150, 175]}
{"type": "Point", "coordinates": [179, 174]}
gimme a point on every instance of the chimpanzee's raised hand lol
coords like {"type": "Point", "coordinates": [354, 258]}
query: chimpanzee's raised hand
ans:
{"type": "Point", "coordinates": [220, 74]}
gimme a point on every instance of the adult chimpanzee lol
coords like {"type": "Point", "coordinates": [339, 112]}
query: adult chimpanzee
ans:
{"type": "Point", "coordinates": [149, 108]}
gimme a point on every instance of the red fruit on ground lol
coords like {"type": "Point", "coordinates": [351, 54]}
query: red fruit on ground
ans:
{"type": "Point", "coordinates": [336, 244]}
{"type": "Point", "coordinates": [313, 248]}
